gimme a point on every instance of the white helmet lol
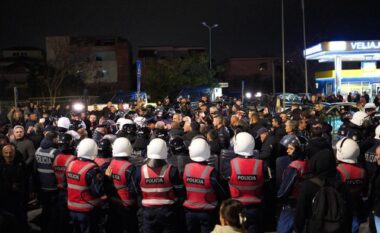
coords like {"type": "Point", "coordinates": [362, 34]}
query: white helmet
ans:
{"type": "Point", "coordinates": [377, 132]}
{"type": "Point", "coordinates": [369, 106]}
{"type": "Point", "coordinates": [157, 149]}
{"type": "Point", "coordinates": [121, 122]}
{"type": "Point", "coordinates": [140, 121]}
{"type": "Point", "coordinates": [110, 137]}
{"type": "Point", "coordinates": [121, 147]}
{"type": "Point", "coordinates": [347, 150]}
{"type": "Point", "coordinates": [87, 149]}
{"type": "Point", "coordinates": [244, 144]}
{"type": "Point", "coordinates": [74, 134]}
{"type": "Point", "coordinates": [358, 118]}
{"type": "Point", "coordinates": [64, 122]}
{"type": "Point", "coordinates": [199, 150]}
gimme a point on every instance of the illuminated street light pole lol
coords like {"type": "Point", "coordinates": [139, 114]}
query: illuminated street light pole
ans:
{"type": "Point", "coordinates": [283, 53]}
{"type": "Point", "coordinates": [304, 46]}
{"type": "Point", "coordinates": [209, 38]}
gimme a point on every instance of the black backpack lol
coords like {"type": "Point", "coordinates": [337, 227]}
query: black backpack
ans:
{"type": "Point", "coordinates": [328, 210]}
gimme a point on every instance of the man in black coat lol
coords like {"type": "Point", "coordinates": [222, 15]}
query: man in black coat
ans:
{"type": "Point", "coordinates": [13, 188]}
{"type": "Point", "coordinates": [268, 151]}
{"type": "Point", "coordinates": [322, 166]}
{"type": "Point", "coordinates": [317, 142]}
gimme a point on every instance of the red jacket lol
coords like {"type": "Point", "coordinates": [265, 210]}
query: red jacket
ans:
{"type": "Point", "coordinates": [120, 182]}
{"type": "Point", "coordinates": [60, 165]}
{"type": "Point", "coordinates": [156, 188]}
{"type": "Point", "coordinates": [200, 194]}
{"type": "Point", "coordinates": [246, 181]}
{"type": "Point", "coordinates": [79, 196]}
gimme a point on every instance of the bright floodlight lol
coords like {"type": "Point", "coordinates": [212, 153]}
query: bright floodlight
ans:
{"type": "Point", "coordinates": [248, 95]}
{"type": "Point", "coordinates": [258, 94]}
{"type": "Point", "coordinates": [78, 107]}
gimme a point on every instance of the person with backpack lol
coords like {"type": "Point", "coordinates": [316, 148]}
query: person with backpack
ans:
{"type": "Point", "coordinates": [353, 179]}
{"type": "Point", "coordinates": [320, 207]}
{"type": "Point", "coordinates": [288, 192]}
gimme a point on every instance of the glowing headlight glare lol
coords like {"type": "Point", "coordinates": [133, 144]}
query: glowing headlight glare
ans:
{"type": "Point", "coordinates": [78, 107]}
{"type": "Point", "coordinates": [258, 94]}
{"type": "Point", "coordinates": [248, 95]}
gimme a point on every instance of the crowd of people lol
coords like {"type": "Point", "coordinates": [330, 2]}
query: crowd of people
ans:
{"type": "Point", "coordinates": [214, 167]}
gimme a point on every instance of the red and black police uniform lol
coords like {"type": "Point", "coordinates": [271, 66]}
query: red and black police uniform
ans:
{"type": "Point", "coordinates": [160, 188]}
{"type": "Point", "coordinates": [203, 193]}
{"type": "Point", "coordinates": [85, 186]}
{"type": "Point", "coordinates": [60, 165]}
{"type": "Point", "coordinates": [246, 184]}
{"type": "Point", "coordinates": [103, 159]}
{"type": "Point", "coordinates": [289, 190]}
{"type": "Point", "coordinates": [123, 201]}
{"type": "Point", "coordinates": [355, 181]}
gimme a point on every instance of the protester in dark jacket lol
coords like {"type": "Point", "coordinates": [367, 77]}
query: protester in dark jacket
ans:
{"type": "Point", "coordinates": [317, 142]}
{"type": "Point", "coordinates": [322, 166]}
{"type": "Point", "coordinates": [13, 187]}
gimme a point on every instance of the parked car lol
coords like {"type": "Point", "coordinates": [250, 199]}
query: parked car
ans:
{"type": "Point", "coordinates": [332, 113]}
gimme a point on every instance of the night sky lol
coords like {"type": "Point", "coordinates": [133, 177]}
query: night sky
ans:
{"type": "Point", "coordinates": [248, 28]}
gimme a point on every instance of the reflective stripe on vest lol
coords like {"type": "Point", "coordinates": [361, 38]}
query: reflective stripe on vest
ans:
{"type": "Point", "coordinates": [79, 197]}
{"type": "Point", "coordinates": [200, 194]}
{"type": "Point", "coordinates": [42, 170]}
{"type": "Point", "coordinates": [60, 165]}
{"type": "Point", "coordinates": [102, 161]}
{"type": "Point", "coordinates": [301, 167]}
{"type": "Point", "coordinates": [119, 181]}
{"type": "Point", "coordinates": [157, 194]}
{"type": "Point", "coordinates": [44, 166]}
{"type": "Point", "coordinates": [246, 186]}
{"type": "Point", "coordinates": [50, 154]}
{"type": "Point", "coordinates": [351, 172]}
{"type": "Point", "coordinates": [297, 165]}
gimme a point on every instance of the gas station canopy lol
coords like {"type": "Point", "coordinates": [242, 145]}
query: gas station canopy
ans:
{"type": "Point", "coordinates": [366, 79]}
{"type": "Point", "coordinates": [368, 50]}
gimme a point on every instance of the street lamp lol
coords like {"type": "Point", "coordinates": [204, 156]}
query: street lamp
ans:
{"type": "Point", "coordinates": [304, 45]}
{"type": "Point", "coordinates": [209, 38]}
{"type": "Point", "coordinates": [283, 53]}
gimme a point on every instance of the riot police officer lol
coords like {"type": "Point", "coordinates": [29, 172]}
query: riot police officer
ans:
{"type": "Point", "coordinates": [61, 161]}
{"type": "Point", "coordinates": [123, 203]}
{"type": "Point", "coordinates": [352, 176]}
{"type": "Point", "coordinates": [103, 158]}
{"type": "Point", "coordinates": [246, 180]}
{"type": "Point", "coordinates": [292, 176]}
{"type": "Point", "coordinates": [85, 186]}
{"type": "Point", "coordinates": [46, 180]}
{"type": "Point", "coordinates": [203, 189]}
{"type": "Point", "coordinates": [161, 188]}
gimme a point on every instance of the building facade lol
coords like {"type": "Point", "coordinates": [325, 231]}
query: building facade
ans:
{"type": "Point", "coordinates": [257, 73]}
{"type": "Point", "coordinates": [112, 61]}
